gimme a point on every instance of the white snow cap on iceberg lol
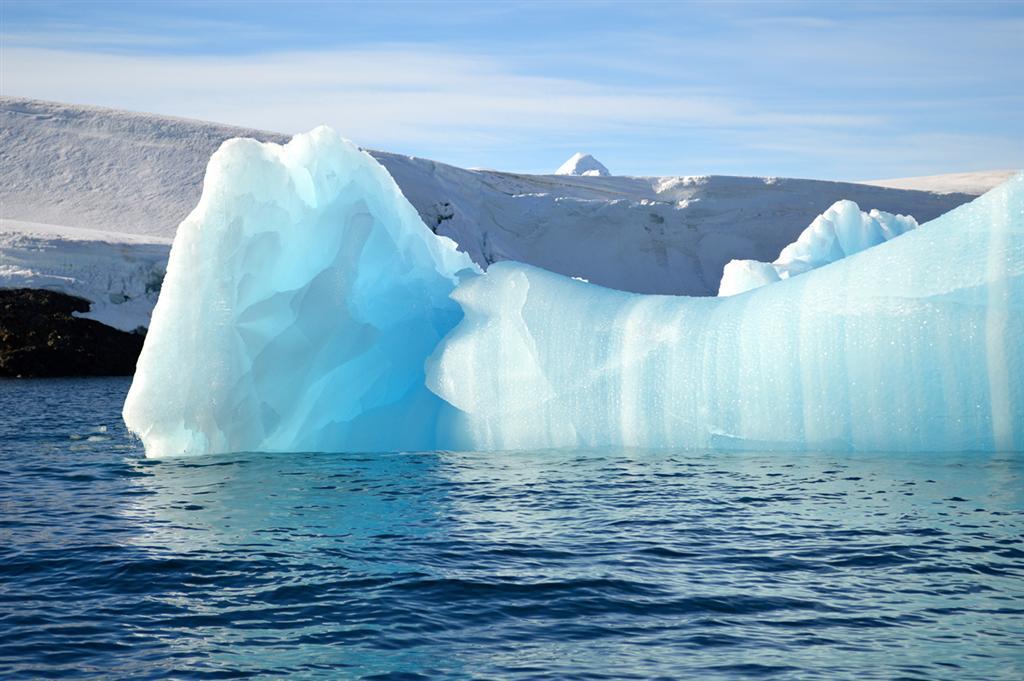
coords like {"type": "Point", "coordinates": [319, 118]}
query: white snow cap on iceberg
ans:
{"type": "Point", "coordinates": [842, 230]}
{"type": "Point", "coordinates": [583, 164]}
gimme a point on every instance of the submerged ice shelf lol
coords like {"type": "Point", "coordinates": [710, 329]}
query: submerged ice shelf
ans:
{"type": "Point", "coordinates": [306, 307]}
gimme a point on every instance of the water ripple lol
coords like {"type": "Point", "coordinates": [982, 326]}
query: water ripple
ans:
{"type": "Point", "coordinates": [539, 565]}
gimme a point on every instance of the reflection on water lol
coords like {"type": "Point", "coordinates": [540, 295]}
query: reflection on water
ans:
{"type": "Point", "coordinates": [538, 565]}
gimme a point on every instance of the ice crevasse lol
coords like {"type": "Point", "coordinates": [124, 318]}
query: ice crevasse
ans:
{"type": "Point", "coordinates": [307, 307]}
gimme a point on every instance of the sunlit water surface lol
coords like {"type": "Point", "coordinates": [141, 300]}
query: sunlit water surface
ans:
{"type": "Point", "coordinates": [472, 565]}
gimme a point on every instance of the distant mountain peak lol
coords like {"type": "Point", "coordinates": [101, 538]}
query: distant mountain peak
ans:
{"type": "Point", "coordinates": [582, 164]}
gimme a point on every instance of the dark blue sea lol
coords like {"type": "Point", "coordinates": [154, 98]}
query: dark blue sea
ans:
{"type": "Point", "coordinates": [540, 565]}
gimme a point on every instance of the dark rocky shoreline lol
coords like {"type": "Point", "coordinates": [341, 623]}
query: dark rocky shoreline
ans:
{"type": "Point", "coordinates": [39, 337]}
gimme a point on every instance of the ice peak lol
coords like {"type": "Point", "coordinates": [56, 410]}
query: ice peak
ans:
{"type": "Point", "coordinates": [582, 164]}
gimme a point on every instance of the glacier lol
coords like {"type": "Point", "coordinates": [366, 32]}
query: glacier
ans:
{"type": "Point", "coordinates": [913, 344]}
{"type": "Point", "coordinates": [108, 170]}
{"type": "Point", "coordinates": [119, 274]}
{"type": "Point", "coordinates": [307, 307]}
{"type": "Point", "coordinates": [840, 231]}
{"type": "Point", "coordinates": [302, 297]}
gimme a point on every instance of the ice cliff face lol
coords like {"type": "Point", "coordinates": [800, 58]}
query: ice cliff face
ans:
{"type": "Point", "coordinates": [302, 297]}
{"type": "Point", "coordinates": [583, 164]}
{"type": "Point", "coordinates": [119, 274]}
{"type": "Point", "coordinates": [840, 231]}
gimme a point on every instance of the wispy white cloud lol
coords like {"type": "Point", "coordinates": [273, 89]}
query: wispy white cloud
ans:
{"type": "Point", "coordinates": [112, 33]}
{"type": "Point", "coordinates": [842, 155]}
{"type": "Point", "coordinates": [810, 89]}
{"type": "Point", "coordinates": [389, 94]}
{"type": "Point", "coordinates": [78, 37]}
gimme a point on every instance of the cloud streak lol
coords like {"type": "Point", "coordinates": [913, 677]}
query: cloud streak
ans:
{"type": "Point", "coordinates": [811, 90]}
{"type": "Point", "coordinates": [386, 95]}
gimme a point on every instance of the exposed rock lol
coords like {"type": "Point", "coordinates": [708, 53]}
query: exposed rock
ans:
{"type": "Point", "coordinates": [39, 336]}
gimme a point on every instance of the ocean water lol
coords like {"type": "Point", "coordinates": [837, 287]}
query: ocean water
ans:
{"type": "Point", "coordinates": [539, 565]}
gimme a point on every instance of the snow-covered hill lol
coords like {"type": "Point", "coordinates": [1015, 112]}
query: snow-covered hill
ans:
{"type": "Point", "coordinates": [115, 171]}
{"type": "Point", "coordinates": [104, 169]}
{"type": "Point", "coordinates": [976, 183]}
{"type": "Point", "coordinates": [583, 164]}
{"type": "Point", "coordinates": [650, 235]}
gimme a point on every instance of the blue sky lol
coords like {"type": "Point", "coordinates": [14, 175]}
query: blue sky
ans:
{"type": "Point", "coordinates": [829, 90]}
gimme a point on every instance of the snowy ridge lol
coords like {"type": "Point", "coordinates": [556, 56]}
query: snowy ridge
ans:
{"type": "Point", "coordinates": [583, 164]}
{"type": "Point", "coordinates": [968, 183]}
{"type": "Point", "coordinates": [130, 173]}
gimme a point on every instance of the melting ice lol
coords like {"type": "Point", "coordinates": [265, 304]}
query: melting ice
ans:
{"type": "Point", "coordinates": [306, 307]}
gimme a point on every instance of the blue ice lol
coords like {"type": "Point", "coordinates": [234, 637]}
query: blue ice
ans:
{"type": "Point", "coordinates": [840, 231]}
{"type": "Point", "coordinates": [307, 308]}
{"type": "Point", "coordinates": [913, 344]}
{"type": "Point", "coordinates": [302, 296]}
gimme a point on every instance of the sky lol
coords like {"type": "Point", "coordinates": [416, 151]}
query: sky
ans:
{"type": "Point", "coordinates": [830, 90]}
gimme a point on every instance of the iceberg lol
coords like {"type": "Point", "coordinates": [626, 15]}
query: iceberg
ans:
{"type": "Point", "coordinates": [302, 297]}
{"type": "Point", "coordinates": [913, 344]}
{"type": "Point", "coordinates": [307, 307]}
{"type": "Point", "coordinates": [840, 231]}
